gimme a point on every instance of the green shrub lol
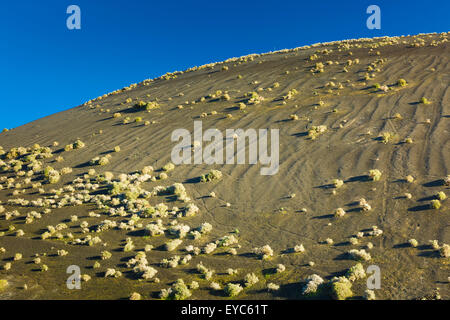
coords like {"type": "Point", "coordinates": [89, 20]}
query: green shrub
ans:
{"type": "Point", "coordinates": [435, 204]}
{"type": "Point", "coordinates": [340, 288]}
{"type": "Point", "coordinates": [402, 83]}
{"type": "Point", "coordinates": [424, 100]}
{"type": "Point", "coordinates": [3, 284]}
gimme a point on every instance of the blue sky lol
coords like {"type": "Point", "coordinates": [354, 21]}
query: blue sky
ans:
{"type": "Point", "coordinates": [46, 68]}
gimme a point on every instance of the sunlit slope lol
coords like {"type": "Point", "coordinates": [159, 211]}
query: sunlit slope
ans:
{"type": "Point", "coordinates": [342, 110]}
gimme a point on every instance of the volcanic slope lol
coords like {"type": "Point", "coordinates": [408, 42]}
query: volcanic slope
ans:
{"type": "Point", "coordinates": [363, 178]}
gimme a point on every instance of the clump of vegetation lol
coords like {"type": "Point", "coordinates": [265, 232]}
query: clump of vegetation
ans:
{"type": "Point", "coordinates": [369, 294]}
{"type": "Point", "coordinates": [444, 251]}
{"type": "Point", "coordinates": [374, 174]}
{"type": "Point", "coordinates": [359, 255]}
{"type": "Point", "coordinates": [68, 147]}
{"type": "Point", "coordinates": [340, 288]}
{"type": "Point", "coordinates": [79, 144]}
{"type": "Point", "coordinates": [441, 195]}
{"type": "Point", "coordinates": [3, 284]}
{"type": "Point", "coordinates": [386, 137]}
{"type": "Point", "coordinates": [272, 287]}
{"type": "Point", "coordinates": [254, 98]}
{"type": "Point", "coordinates": [101, 161]}
{"type": "Point", "coordinates": [51, 175]}
{"type": "Point", "coordinates": [106, 255]}
{"type": "Point", "coordinates": [140, 105]}
{"type": "Point", "coordinates": [110, 272]}
{"type": "Point", "coordinates": [232, 289]}
{"type": "Point", "coordinates": [398, 116]}
{"type": "Point", "coordinates": [290, 94]}
{"type": "Point", "coordinates": [207, 273]}
{"type": "Point", "coordinates": [168, 167]}
{"type": "Point", "coordinates": [339, 212]}
{"type": "Point", "coordinates": [402, 83]}
{"type": "Point", "coordinates": [425, 100]}
{"type": "Point", "coordinates": [265, 252]}
{"type": "Point", "coordinates": [316, 131]}
{"type": "Point", "coordinates": [337, 183]}
{"type": "Point", "coordinates": [172, 245]}
{"type": "Point", "coordinates": [280, 268]}
{"type": "Point", "coordinates": [356, 272]}
{"type": "Point", "coordinates": [312, 283]}
{"type": "Point", "coordinates": [135, 296]}
{"type": "Point", "coordinates": [250, 279]}
{"type": "Point", "coordinates": [435, 204]}
{"type": "Point", "coordinates": [299, 248]}
{"type": "Point", "coordinates": [211, 176]}
{"type": "Point", "coordinates": [447, 180]}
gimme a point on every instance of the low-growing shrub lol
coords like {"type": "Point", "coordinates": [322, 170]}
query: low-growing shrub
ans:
{"type": "Point", "coordinates": [211, 176]}
{"type": "Point", "coordinates": [232, 289]}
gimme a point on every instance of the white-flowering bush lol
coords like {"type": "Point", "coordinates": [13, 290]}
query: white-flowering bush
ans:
{"type": "Point", "coordinates": [210, 247]}
{"type": "Point", "coordinates": [154, 229]}
{"type": "Point", "coordinates": [190, 210]}
{"type": "Point", "coordinates": [168, 167]}
{"type": "Point", "coordinates": [250, 279]}
{"type": "Point", "coordinates": [171, 262]}
{"type": "Point", "coordinates": [359, 255]}
{"type": "Point", "coordinates": [227, 241]}
{"type": "Point", "coordinates": [110, 272]}
{"type": "Point", "coordinates": [232, 271]}
{"type": "Point", "coordinates": [369, 294]}
{"type": "Point", "coordinates": [265, 252]}
{"type": "Point", "coordinates": [211, 176]}
{"type": "Point", "coordinates": [178, 291]}
{"type": "Point", "coordinates": [232, 290]}
{"type": "Point", "coordinates": [205, 228]}
{"type": "Point", "coordinates": [272, 287]}
{"type": "Point", "coordinates": [129, 246]}
{"type": "Point", "coordinates": [312, 283]}
{"type": "Point", "coordinates": [374, 174]}
{"type": "Point", "coordinates": [215, 286]}
{"type": "Point", "coordinates": [444, 251]}
{"type": "Point", "coordinates": [356, 272]}
{"type": "Point", "coordinates": [180, 230]}
{"type": "Point", "coordinates": [173, 244]}
{"type": "Point", "coordinates": [62, 252]}
{"type": "Point", "coordinates": [337, 183]}
{"type": "Point", "coordinates": [106, 255]}
{"type": "Point", "coordinates": [339, 212]}
{"type": "Point", "coordinates": [194, 285]}
{"type": "Point", "coordinates": [207, 273]}
{"type": "Point", "coordinates": [280, 268]}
